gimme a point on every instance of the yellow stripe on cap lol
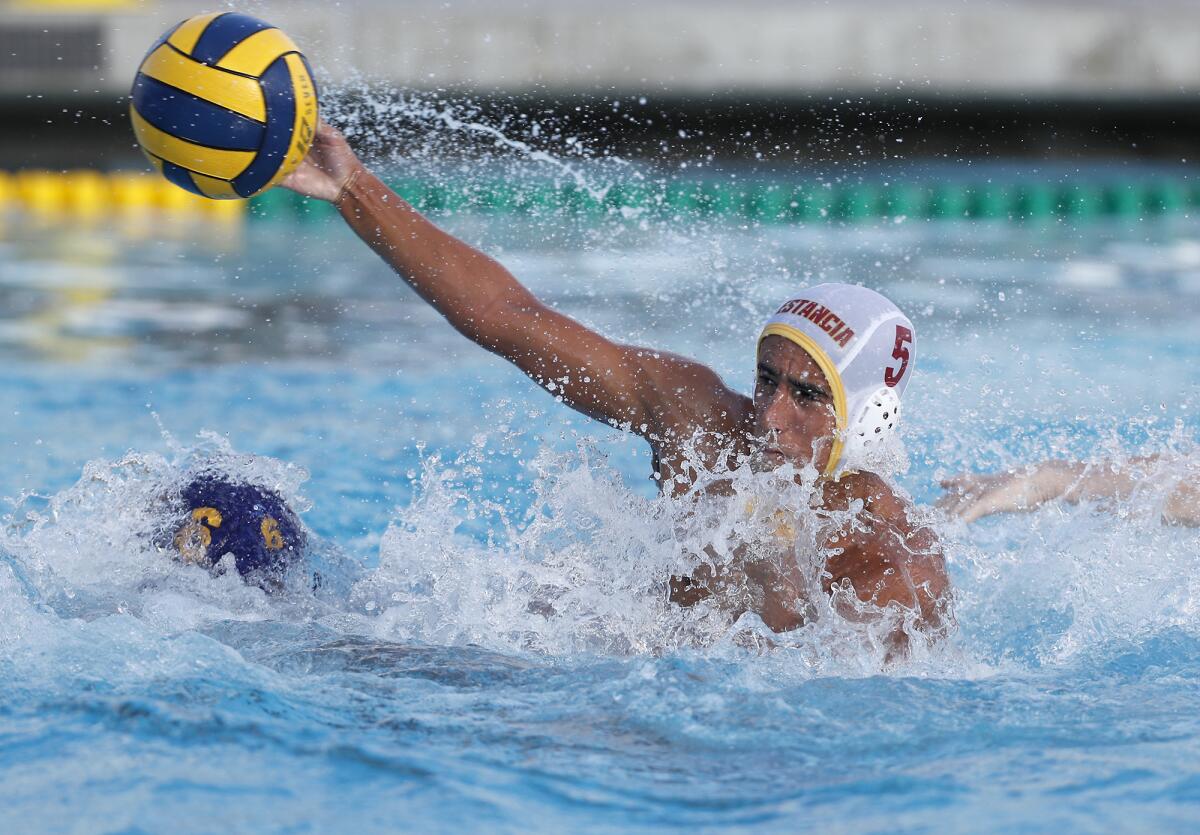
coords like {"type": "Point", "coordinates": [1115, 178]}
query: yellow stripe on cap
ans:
{"type": "Point", "coordinates": [253, 55]}
{"type": "Point", "coordinates": [224, 165]}
{"type": "Point", "coordinates": [233, 92]}
{"type": "Point", "coordinates": [305, 126]}
{"type": "Point", "coordinates": [214, 188]}
{"type": "Point", "coordinates": [826, 365]}
{"type": "Point", "coordinates": [184, 38]}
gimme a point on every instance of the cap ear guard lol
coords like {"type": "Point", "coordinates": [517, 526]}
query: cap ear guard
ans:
{"type": "Point", "coordinates": [870, 427]}
{"type": "Point", "coordinates": [191, 541]}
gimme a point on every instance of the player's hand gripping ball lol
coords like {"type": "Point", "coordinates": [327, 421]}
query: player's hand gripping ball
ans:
{"type": "Point", "coordinates": [224, 105]}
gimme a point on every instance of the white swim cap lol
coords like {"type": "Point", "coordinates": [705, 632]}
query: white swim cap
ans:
{"type": "Point", "coordinates": [864, 344]}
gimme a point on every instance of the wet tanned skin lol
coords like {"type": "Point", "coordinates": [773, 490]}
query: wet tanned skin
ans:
{"type": "Point", "coordinates": [889, 560]}
{"type": "Point", "coordinates": [664, 398]}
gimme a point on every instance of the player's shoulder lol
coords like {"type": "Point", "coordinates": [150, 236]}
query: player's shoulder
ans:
{"type": "Point", "coordinates": [686, 383]}
{"type": "Point", "coordinates": [668, 364]}
{"type": "Point", "coordinates": [878, 496]}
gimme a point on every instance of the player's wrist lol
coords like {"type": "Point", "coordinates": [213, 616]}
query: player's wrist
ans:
{"type": "Point", "coordinates": [349, 184]}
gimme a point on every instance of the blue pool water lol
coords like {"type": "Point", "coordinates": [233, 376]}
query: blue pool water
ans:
{"type": "Point", "coordinates": [424, 686]}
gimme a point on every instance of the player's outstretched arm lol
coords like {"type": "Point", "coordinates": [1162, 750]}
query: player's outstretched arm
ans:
{"type": "Point", "coordinates": [973, 496]}
{"type": "Point", "coordinates": [615, 383]}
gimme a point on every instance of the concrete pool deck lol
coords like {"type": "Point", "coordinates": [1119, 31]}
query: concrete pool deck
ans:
{"type": "Point", "coordinates": [669, 47]}
{"type": "Point", "coordinates": [671, 79]}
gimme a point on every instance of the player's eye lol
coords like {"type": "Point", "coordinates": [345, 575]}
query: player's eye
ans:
{"type": "Point", "coordinates": [809, 393]}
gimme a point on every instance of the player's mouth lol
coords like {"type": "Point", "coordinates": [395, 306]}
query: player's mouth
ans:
{"type": "Point", "coordinates": [773, 454]}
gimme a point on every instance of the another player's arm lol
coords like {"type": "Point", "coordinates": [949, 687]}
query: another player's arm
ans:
{"type": "Point", "coordinates": [974, 496]}
{"type": "Point", "coordinates": [615, 383]}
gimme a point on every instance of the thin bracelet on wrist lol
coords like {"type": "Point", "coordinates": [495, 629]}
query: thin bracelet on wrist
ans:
{"type": "Point", "coordinates": [346, 186]}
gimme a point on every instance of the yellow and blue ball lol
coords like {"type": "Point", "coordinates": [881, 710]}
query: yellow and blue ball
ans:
{"type": "Point", "coordinates": [224, 105]}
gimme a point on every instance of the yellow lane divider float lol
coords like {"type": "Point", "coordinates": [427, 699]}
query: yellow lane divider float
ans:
{"type": "Point", "coordinates": [91, 195]}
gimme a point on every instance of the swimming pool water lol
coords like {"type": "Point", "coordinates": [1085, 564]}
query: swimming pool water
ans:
{"type": "Point", "coordinates": [423, 688]}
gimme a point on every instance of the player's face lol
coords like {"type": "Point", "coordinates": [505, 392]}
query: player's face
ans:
{"type": "Point", "coordinates": [794, 416]}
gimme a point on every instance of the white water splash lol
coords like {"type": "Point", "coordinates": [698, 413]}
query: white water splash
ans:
{"type": "Point", "coordinates": [97, 547]}
{"type": "Point", "coordinates": [357, 103]}
{"type": "Point", "coordinates": [585, 568]}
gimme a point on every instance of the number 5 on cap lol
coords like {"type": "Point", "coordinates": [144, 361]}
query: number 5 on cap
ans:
{"type": "Point", "coordinates": [892, 376]}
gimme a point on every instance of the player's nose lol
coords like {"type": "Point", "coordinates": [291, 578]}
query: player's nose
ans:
{"type": "Point", "coordinates": [775, 411]}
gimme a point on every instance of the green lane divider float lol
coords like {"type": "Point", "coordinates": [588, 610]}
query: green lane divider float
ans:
{"type": "Point", "coordinates": [783, 203]}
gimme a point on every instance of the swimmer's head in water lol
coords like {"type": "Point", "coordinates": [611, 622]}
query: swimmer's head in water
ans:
{"type": "Point", "coordinates": [833, 364]}
{"type": "Point", "coordinates": [253, 524]}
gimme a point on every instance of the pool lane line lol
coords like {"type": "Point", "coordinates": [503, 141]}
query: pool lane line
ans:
{"type": "Point", "coordinates": [1017, 200]}
{"type": "Point", "coordinates": [90, 195]}
{"type": "Point", "coordinates": [86, 195]}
